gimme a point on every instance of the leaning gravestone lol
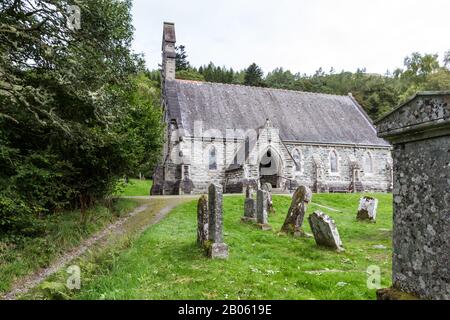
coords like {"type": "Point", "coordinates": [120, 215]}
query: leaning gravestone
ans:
{"type": "Point", "coordinates": [202, 221]}
{"type": "Point", "coordinates": [296, 214]}
{"type": "Point", "coordinates": [367, 209]}
{"type": "Point", "coordinates": [325, 231]}
{"type": "Point", "coordinates": [249, 207]}
{"type": "Point", "coordinates": [262, 197]}
{"type": "Point", "coordinates": [215, 246]}
{"type": "Point", "coordinates": [268, 187]}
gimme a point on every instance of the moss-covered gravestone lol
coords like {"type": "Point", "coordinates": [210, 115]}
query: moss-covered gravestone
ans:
{"type": "Point", "coordinates": [202, 221]}
{"type": "Point", "coordinates": [367, 209]}
{"type": "Point", "coordinates": [215, 247]}
{"type": "Point", "coordinates": [296, 214]}
{"type": "Point", "coordinates": [262, 198]}
{"type": "Point", "coordinates": [268, 187]}
{"type": "Point", "coordinates": [325, 231]}
{"type": "Point", "coordinates": [249, 207]}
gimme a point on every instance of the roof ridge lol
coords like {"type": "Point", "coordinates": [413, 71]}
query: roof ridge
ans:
{"type": "Point", "coordinates": [264, 88]}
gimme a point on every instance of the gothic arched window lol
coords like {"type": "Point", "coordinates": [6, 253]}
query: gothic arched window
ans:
{"type": "Point", "coordinates": [297, 159]}
{"type": "Point", "coordinates": [212, 163]}
{"type": "Point", "coordinates": [333, 162]}
{"type": "Point", "coordinates": [247, 147]}
{"type": "Point", "coordinates": [368, 163]}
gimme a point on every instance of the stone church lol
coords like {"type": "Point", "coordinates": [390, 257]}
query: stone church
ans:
{"type": "Point", "coordinates": [241, 136]}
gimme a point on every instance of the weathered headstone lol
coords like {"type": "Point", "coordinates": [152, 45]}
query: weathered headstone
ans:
{"type": "Point", "coordinates": [296, 214]}
{"type": "Point", "coordinates": [325, 231]}
{"type": "Point", "coordinates": [420, 133]}
{"type": "Point", "coordinates": [367, 209]}
{"type": "Point", "coordinates": [268, 187]}
{"type": "Point", "coordinates": [202, 221]}
{"type": "Point", "coordinates": [261, 209]}
{"type": "Point", "coordinates": [216, 248]}
{"type": "Point", "coordinates": [249, 207]}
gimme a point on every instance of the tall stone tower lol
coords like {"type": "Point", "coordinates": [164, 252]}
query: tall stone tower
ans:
{"type": "Point", "coordinates": [163, 181]}
{"type": "Point", "coordinates": [168, 52]}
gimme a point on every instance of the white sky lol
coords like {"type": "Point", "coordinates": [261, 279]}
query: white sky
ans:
{"type": "Point", "coordinates": [300, 35]}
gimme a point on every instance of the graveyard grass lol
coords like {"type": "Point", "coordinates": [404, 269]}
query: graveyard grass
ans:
{"type": "Point", "coordinates": [165, 262]}
{"type": "Point", "coordinates": [135, 187]}
{"type": "Point", "coordinates": [63, 232]}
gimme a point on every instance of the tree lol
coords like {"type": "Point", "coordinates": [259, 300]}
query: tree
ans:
{"type": "Point", "coordinates": [67, 121]}
{"type": "Point", "coordinates": [419, 66]}
{"type": "Point", "coordinates": [440, 80]}
{"type": "Point", "coordinates": [279, 78]}
{"type": "Point", "coordinates": [141, 126]}
{"type": "Point", "coordinates": [190, 74]}
{"type": "Point", "coordinates": [181, 62]}
{"type": "Point", "coordinates": [254, 76]}
{"type": "Point", "coordinates": [212, 73]}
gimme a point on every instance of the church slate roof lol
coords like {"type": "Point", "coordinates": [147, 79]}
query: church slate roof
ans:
{"type": "Point", "coordinates": [299, 116]}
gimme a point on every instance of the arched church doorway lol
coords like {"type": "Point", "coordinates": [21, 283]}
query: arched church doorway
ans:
{"type": "Point", "coordinates": [269, 168]}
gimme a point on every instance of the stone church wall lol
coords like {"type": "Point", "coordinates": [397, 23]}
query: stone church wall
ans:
{"type": "Point", "coordinates": [197, 161]}
{"type": "Point", "coordinates": [377, 180]}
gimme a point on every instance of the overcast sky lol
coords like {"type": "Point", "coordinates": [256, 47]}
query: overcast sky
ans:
{"type": "Point", "coordinates": [300, 35]}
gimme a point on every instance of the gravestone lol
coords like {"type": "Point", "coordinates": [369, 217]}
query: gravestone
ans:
{"type": "Point", "coordinates": [420, 133]}
{"type": "Point", "coordinates": [296, 214]}
{"type": "Point", "coordinates": [261, 209]}
{"type": "Point", "coordinates": [216, 248]}
{"type": "Point", "coordinates": [249, 207]}
{"type": "Point", "coordinates": [325, 231]}
{"type": "Point", "coordinates": [268, 187]}
{"type": "Point", "coordinates": [202, 221]}
{"type": "Point", "coordinates": [367, 209]}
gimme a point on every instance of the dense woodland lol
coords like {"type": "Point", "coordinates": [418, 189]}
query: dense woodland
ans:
{"type": "Point", "coordinates": [377, 93]}
{"type": "Point", "coordinates": [79, 111]}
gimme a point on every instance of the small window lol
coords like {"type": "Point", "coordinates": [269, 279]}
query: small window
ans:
{"type": "Point", "coordinates": [236, 152]}
{"type": "Point", "coordinates": [212, 158]}
{"type": "Point", "coordinates": [333, 162]}
{"type": "Point", "coordinates": [368, 163]}
{"type": "Point", "coordinates": [297, 160]}
{"type": "Point", "coordinates": [247, 147]}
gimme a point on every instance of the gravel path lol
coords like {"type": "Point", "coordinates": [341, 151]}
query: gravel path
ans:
{"type": "Point", "coordinates": [29, 282]}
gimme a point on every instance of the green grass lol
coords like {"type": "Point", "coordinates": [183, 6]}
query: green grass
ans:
{"type": "Point", "coordinates": [165, 262]}
{"type": "Point", "coordinates": [135, 187]}
{"type": "Point", "coordinates": [63, 231]}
